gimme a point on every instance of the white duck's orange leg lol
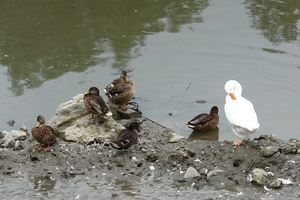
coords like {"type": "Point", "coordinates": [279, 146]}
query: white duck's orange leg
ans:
{"type": "Point", "coordinates": [238, 142]}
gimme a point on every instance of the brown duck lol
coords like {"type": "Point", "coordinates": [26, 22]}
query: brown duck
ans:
{"type": "Point", "coordinates": [94, 103]}
{"type": "Point", "coordinates": [126, 137]}
{"type": "Point", "coordinates": [120, 91]}
{"type": "Point", "coordinates": [43, 133]}
{"type": "Point", "coordinates": [205, 122]}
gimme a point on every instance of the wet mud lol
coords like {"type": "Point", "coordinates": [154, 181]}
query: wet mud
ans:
{"type": "Point", "coordinates": [152, 169]}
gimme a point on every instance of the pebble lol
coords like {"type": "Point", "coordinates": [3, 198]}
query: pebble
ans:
{"type": "Point", "coordinates": [273, 137]}
{"type": "Point", "coordinates": [269, 151]}
{"type": "Point", "coordinates": [11, 122]}
{"type": "Point", "coordinates": [18, 145]}
{"type": "Point", "coordinates": [191, 172]}
{"type": "Point", "coordinates": [215, 173]}
{"type": "Point", "coordinates": [191, 153]}
{"type": "Point", "coordinates": [175, 138]}
{"type": "Point", "coordinates": [2, 134]}
{"type": "Point", "coordinates": [9, 141]}
{"type": "Point", "coordinates": [33, 155]}
{"type": "Point", "coordinates": [275, 184]}
{"type": "Point", "coordinates": [291, 149]}
{"type": "Point", "coordinates": [260, 176]}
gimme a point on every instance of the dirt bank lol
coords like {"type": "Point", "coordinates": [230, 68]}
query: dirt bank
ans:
{"type": "Point", "coordinates": [153, 169]}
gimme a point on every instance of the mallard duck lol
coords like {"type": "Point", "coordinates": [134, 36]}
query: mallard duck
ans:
{"type": "Point", "coordinates": [94, 103]}
{"type": "Point", "coordinates": [43, 133]}
{"type": "Point", "coordinates": [239, 112]}
{"type": "Point", "coordinates": [205, 122]}
{"type": "Point", "coordinates": [126, 137]}
{"type": "Point", "coordinates": [120, 91]}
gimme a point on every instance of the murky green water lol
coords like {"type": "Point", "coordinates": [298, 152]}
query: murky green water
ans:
{"type": "Point", "coordinates": [177, 52]}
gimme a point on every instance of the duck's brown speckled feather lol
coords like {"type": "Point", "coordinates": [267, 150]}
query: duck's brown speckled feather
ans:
{"type": "Point", "coordinates": [205, 121]}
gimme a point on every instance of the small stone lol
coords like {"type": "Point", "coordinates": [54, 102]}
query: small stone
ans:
{"type": "Point", "coordinates": [200, 101]}
{"type": "Point", "coordinates": [24, 128]}
{"type": "Point", "coordinates": [191, 172]}
{"type": "Point", "coordinates": [9, 141]}
{"type": "Point", "coordinates": [291, 149]}
{"type": "Point", "coordinates": [263, 137]}
{"type": "Point", "coordinates": [11, 122]}
{"type": "Point", "coordinates": [215, 173]}
{"type": "Point", "coordinates": [18, 145]}
{"type": "Point", "coordinates": [33, 155]}
{"type": "Point", "coordinates": [275, 184]}
{"type": "Point", "coordinates": [191, 153]}
{"type": "Point", "coordinates": [273, 137]}
{"type": "Point", "coordinates": [143, 150]}
{"type": "Point", "coordinates": [260, 176]}
{"type": "Point", "coordinates": [185, 155]}
{"type": "Point", "coordinates": [175, 138]}
{"type": "Point", "coordinates": [269, 151]}
{"type": "Point", "coordinates": [2, 134]}
{"type": "Point", "coordinates": [18, 135]}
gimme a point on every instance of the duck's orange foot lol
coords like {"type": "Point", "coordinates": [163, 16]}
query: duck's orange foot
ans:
{"type": "Point", "coordinates": [47, 148]}
{"type": "Point", "coordinates": [238, 142]}
{"type": "Point", "coordinates": [123, 107]}
{"type": "Point", "coordinates": [40, 147]}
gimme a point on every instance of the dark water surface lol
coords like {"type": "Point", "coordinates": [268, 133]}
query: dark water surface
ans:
{"type": "Point", "coordinates": [176, 52]}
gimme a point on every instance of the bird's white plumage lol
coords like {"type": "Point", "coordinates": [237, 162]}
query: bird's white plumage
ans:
{"type": "Point", "coordinates": [239, 112]}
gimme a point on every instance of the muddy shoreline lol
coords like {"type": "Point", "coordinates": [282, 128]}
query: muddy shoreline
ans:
{"type": "Point", "coordinates": [152, 169]}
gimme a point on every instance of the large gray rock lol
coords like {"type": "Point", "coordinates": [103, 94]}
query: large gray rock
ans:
{"type": "Point", "coordinates": [72, 122]}
{"type": "Point", "coordinates": [18, 135]}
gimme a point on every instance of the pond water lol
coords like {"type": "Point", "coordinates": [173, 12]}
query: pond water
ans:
{"type": "Point", "coordinates": [176, 52]}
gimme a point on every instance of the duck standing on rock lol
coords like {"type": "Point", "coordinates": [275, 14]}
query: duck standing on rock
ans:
{"type": "Point", "coordinates": [43, 133]}
{"type": "Point", "coordinates": [239, 112]}
{"type": "Point", "coordinates": [205, 122]}
{"type": "Point", "coordinates": [126, 137]}
{"type": "Point", "coordinates": [94, 103]}
{"type": "Point", "coordinates": [120, 91]}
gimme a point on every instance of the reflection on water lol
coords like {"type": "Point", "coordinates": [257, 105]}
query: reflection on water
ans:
{"type": "Point", "coordinates": [211, 135]}
{"type": "Point", "coordinates": [43, 40]}
{"type": "Point", "coordinates": [277, 20]}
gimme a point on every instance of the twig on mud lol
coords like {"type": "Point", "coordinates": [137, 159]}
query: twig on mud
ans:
{"type": "Point", "coordinates": [175, 102]}
{"type": "Point", "coordinates": [250, 167]}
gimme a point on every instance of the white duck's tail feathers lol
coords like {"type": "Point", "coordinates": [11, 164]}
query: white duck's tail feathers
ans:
{"type": "Point", "coordinates": [253, 127]}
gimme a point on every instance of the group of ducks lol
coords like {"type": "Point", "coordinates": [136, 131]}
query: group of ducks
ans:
{"type": "Point", "coordinates": [120, 91]}
{"type": "Point", "coordinates": [239, 112]}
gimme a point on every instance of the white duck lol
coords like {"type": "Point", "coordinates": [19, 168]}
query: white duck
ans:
{"type": "Point", "coordinates": [239, 112]}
